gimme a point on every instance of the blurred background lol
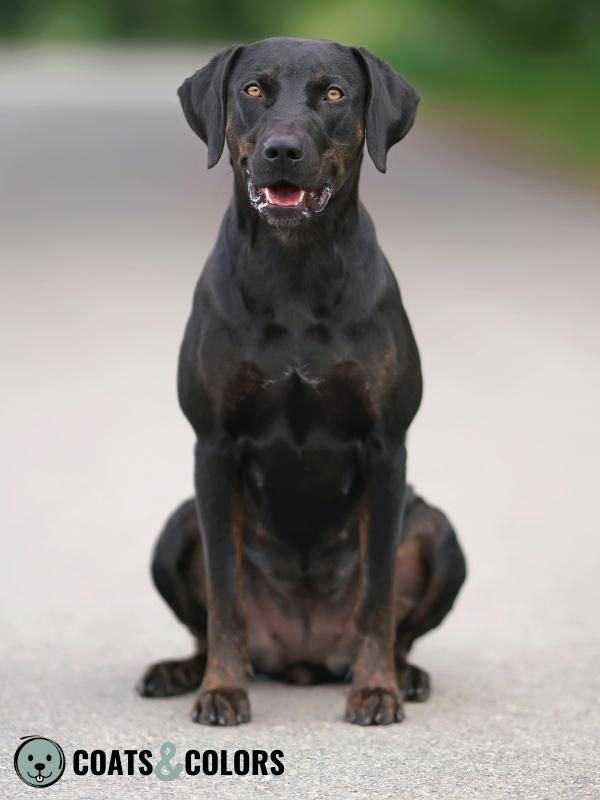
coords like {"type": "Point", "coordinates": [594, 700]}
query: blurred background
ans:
{"type": "Point", "coordinates": [489, 214]}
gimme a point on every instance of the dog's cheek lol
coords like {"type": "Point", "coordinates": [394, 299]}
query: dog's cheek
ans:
{"type": "Point", "coordinates": [359, 133]}
{"type": "Point", "coordinates": [339, 159]}
{"type": "Point", "coordinates": [240, 146]}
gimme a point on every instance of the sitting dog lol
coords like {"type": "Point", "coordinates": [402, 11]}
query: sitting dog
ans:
{"type": "Point", "coordinates": [304, 554]}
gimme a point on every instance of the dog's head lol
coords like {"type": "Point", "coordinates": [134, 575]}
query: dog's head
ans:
{"type": "Point", "coordinates": [295, 114]}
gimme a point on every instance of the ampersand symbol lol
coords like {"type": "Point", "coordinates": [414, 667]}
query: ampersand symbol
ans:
{"type": "Point", "coordinates": [164, 770]}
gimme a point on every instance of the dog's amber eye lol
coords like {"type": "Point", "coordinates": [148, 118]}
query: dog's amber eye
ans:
{"type": "Point", "coordinates": [253, 89]}
{"type": "Point", "coordinates": [333, 94]}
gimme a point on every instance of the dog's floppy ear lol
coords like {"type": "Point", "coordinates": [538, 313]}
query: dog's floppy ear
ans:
{"type": "Point", "coordinates": [203, 98]}
{"type": "Point", "coordinates": [391, 106]}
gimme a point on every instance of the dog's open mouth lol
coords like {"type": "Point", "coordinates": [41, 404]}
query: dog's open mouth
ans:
{"type": "Point", "coordinates": [284, 194]}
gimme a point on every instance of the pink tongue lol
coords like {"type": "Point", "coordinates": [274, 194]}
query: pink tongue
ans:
{"type": "Point", "coordinates": [284, 194]}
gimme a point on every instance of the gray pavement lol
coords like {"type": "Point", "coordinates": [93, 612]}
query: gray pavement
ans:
{"type": "Point", "coordinates": [107, 214]}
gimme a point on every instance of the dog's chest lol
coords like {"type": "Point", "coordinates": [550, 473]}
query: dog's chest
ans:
{"type": "Point", "coordinates": [308, 373]}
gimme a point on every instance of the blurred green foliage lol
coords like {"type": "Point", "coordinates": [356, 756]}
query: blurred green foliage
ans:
{"type": "Point", "coordinates": [528, 68]}
{"type": "Point", "coordinates": [137, 19]}
{"type": "Point", "coordinates": [533, 24]}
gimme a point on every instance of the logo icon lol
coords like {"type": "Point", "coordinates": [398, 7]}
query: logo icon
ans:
{"type": "Point", "coordinates": [39, 762]}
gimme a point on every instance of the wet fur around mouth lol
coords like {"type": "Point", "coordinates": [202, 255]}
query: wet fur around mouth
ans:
{"type": "Point", "coordinates": [311, 203]}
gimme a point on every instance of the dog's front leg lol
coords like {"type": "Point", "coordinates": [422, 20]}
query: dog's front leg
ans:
{"type": "Point", "coordinates": [374, 697]}
{"type": "Point", "coordinates": [222, 699]}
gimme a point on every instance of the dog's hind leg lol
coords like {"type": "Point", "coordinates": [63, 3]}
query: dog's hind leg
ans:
{"type": "Point", "coordinates": [178, 573]}
{"type": "Point", "coordinates": [430, 570]}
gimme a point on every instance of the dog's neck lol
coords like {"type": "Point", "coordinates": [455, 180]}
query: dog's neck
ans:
{"type": "Point", "coordinates": [310, 261]}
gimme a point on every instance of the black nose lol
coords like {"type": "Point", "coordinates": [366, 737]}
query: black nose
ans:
{"type": "Point", "coordinates": [283, 147]}
{"type": "Point", "coordinates": [39, 767]}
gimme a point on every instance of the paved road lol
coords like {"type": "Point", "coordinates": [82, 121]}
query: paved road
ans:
{"type": "Point", "coordinates": [107, 214]}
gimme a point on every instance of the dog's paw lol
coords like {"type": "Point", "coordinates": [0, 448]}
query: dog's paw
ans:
{"type": "Point", "coordinates": [223, 705]}
{"type": "Point", "coordinates": [414, 683]}
{"type": "Point", "coordinates": [374, 706]}
{"type": "Point", "coordinates": [170, 678]}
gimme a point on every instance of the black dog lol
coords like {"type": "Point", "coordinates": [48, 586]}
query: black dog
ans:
{"type": "Point", "coordinates": [304, 554]}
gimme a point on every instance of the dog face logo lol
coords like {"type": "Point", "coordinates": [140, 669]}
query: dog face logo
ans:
{"type": "Point", "coordinates": [39, 762]}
